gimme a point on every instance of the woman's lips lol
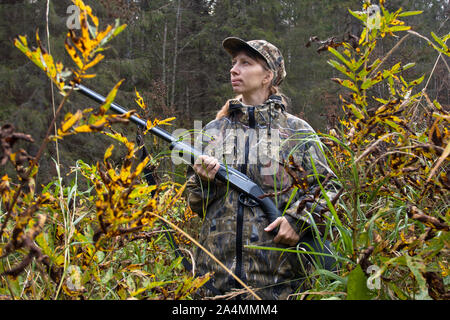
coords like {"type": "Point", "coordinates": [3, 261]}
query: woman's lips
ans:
{"type": "Point", "coordinates": [236, 82]}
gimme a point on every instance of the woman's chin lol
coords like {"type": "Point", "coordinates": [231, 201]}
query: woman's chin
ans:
{"type": "Point", "coordinates": [237, 90]}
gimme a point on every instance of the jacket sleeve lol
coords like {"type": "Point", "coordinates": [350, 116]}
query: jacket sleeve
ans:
{"type": "Point", "coordinates": [200, 193]}
{"type": "Point", "coordinates": [309, 202]}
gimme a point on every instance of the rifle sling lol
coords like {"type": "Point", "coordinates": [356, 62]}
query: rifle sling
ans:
{"type": "Point", "coordinates": [241, 204]}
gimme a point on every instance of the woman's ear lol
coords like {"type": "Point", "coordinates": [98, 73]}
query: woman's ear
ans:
{"type": "Point", "coordinates": [268, 77]}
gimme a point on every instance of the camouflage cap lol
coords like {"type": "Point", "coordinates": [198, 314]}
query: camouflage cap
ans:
{"type": "Point", "coordinates": [271, 54]}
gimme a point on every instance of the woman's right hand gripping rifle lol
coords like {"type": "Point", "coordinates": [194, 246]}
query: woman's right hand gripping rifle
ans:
{"type": "Point", "coordinates": [206, 167]}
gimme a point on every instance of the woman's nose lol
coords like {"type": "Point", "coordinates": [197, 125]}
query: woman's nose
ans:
{"type": "Point", "coordinates": [234, 69]}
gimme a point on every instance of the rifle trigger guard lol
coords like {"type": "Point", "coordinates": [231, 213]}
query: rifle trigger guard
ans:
{"type": "Point", "coordinates": [247, 201]}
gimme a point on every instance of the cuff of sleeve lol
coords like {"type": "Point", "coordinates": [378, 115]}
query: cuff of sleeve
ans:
{"type": "Point", "coordinates": [211, 186]}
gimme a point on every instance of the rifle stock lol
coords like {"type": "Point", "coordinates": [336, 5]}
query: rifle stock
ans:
{"type": "Point", "coordinates": [236, 179]}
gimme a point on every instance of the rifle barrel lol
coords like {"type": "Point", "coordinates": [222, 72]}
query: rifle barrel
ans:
{"type": "Point", "coordinates": [235, 178]}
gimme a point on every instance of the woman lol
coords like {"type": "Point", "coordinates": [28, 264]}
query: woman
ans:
{"type": "Point", "coordinates": [254, 134]}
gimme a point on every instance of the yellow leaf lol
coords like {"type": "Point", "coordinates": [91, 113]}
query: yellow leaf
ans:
{"type": "Point", "coordinates": [24, 40]}
{"type": "Point", "coordinates": [119, 137]}
{"type": "Point", "coordinates": [96, 60]}
{"type": "Point", "coordinates": [140, 100]}
{"type": "Point", "coordinates": [141, 191]}
{"type": "Point", "coordinates": [88, 76]}
{"type": "Point", "coordinates": [355, 111]}
{"type": "Point", "coordinates": [141, 166]}
{"type": "Point", "coordinates": [59, 260]}
{"type": "Point", "coordinates": [42, 59]}
{"type": "Point", "coordinates": [125, 173]}
{"type": "Point", "coordinates": [108, 152]}
{"type": "Point", "coordinates": [71, 121]}
{"type": "Point", "coordinates": [87, 9]}
{"type": "Point", "coordinates": [110, 98]}
{"type": "Point", "coordinates": [150, 125]}
{"type": "Point", "coordinates": [131, 267]}
{"type": "Point", "coordinates": [166, 121]}
{"type": "Point", "coordinates": [98, 124]}
{"type": "Point", "coordinates": [83, 128]}
{"type": "Point", "coordinates": [102, 35]}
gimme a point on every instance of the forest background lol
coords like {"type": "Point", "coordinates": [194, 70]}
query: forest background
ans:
{"type": "Point", "coordinates": [171, 53]}
{"type": "Point", "coordinates": [394, 204]}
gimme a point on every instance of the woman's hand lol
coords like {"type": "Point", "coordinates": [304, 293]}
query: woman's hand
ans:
{"type": "Point", "coordinates": [206, 167]}
{"type": "Point", "coordinates": [286, 234]}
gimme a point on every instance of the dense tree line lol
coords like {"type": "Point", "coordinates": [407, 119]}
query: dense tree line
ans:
{"type": "Point", "coordinates": [171, 53]}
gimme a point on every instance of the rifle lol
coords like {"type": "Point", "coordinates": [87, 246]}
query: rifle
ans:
{"type": "Point", "coordinates": [236, 179]}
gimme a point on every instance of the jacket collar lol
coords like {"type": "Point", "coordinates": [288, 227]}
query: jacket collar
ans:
{"type": "Point", "coordinates": [264, 113]}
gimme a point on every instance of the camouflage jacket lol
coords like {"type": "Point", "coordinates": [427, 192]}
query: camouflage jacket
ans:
{"type": "Point", "coordinates": [261, 153]}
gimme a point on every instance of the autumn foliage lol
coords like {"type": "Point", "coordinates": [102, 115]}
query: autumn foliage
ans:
{"type": "Point", "coordinates": [391, 155]}
{"type": "Point", "coordinates": [84, 242]}
{"type": "Point", "coordinates": [389, 226]}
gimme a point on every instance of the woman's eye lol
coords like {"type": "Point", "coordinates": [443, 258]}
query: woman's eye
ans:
{"type": "Point", "coordinates": [242, 62]}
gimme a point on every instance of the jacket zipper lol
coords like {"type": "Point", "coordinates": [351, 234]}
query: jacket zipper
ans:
{"type": "Point", "coordinates": [240, 211]}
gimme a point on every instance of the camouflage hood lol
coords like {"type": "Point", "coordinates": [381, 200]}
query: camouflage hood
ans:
{"type": "Point", "coordinates": [264, 113]}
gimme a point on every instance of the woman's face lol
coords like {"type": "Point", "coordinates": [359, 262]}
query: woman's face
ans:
{"type": "Point", "coordinates": [248, 76]}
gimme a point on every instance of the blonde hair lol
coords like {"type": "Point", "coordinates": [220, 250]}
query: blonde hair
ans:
{"type": "Point", "coordinates": [225, 110]}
